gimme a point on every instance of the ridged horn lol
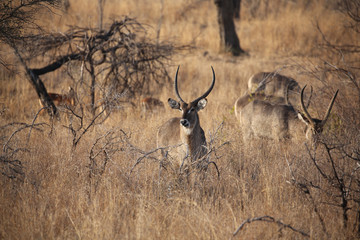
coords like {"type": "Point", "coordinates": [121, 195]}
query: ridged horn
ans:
{"type": "Point", "coordinates": [209, 90]}
{"type": "Point", "coordinates": [176, 86]}
{"type": "Point", "coordinates": [329, 109]}
{"type": "Point", "coordinates": [307, 115]}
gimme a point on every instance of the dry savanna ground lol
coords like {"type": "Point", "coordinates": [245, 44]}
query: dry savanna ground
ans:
{"type": "Point", "coordinates": [64, 180]}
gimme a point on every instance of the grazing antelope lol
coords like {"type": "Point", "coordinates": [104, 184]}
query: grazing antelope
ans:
{"type": "Point", "coordinates": [150, 105]}
{"type": "Point", "coordinates": [260, 118]}
{"type": "Point", "coordinates": [185, 130]}
{"type": "Point", "coordinates": [274, 84]}
{"type": "Point", "coordinates": [61, 100]}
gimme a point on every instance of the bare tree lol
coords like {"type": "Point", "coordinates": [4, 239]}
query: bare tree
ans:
{"type": "Point", "coordinates": [121, 54]}
{"type": "Point", "coordinates": [17, 19]}
{"type": "Point", "coordinates": [118, 60]}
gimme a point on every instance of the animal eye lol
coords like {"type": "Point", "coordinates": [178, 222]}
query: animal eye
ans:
{"type": "Point", "coordinates": [191, 110]}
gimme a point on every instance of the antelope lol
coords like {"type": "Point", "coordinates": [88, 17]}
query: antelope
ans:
{"type": "Point", "coordinates": [274, 84]}
{"type": "Point", "coordinates": [261, 118]}
{"type": "Point", "coordinates": [61, 100]}
{"type": "Point", "coordinates": [113, 105]}
{"type": "Point", "coordinates": [185, 130]}
{"type": "Point", "coordinates": [150, 105]}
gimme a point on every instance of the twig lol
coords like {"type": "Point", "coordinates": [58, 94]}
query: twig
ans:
{"type": "Point", "coordinates": [145, 155]}
{"type": "Point", "coordinates": [87, 128]}
{"type": "Point", "coordinates": [33, 122]}
{"type": "Point", "coordinates": [5, 146]}
{"type": "Point", "coordinates": [271, 220]}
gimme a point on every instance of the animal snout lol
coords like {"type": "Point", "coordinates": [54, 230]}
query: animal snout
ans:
{"type": "Point", "coordinates": [185, 122]}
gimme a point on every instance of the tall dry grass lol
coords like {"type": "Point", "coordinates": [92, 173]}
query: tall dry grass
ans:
{"type": "Point", "coordinates": [51, 189]}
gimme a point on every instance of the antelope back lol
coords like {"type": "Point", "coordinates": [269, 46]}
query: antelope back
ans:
{"type": "Point", "coordinates": [247, 98]}
{"type": "Point", "coordinates": [61, 100]}
{"type": "Point", "coordinates": [276, 85]}
{"type": "Point", "coordinates": [67, 99]}
{"type": "Point", "coordinates": [150, 105]}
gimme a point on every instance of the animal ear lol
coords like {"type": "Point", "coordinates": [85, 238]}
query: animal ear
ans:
{"type": "Point", "coordinates": [302, 118]}
{"type": "Point", "coordinates": [173, 104]}
{"type": "Point", "coordinates": [201, 104]}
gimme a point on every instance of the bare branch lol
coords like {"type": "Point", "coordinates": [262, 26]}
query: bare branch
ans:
{"type": "Point", "coordinates": [271, 220]}
{"type": "Point", "coordinates": [6, 146]}
{"type": "Point", "coordinates": [145, 156]}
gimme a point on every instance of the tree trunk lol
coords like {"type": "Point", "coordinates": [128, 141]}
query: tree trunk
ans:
{"type": "Point", "coordinates": [237, 5]}
{"type": "Point", "coordinates": [39, 87]}
{"type": "Point", "coordinates": [229, 41]}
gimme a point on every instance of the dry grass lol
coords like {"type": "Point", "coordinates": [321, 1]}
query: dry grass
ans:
{"type": "Point", "coordinates": [60, 193]}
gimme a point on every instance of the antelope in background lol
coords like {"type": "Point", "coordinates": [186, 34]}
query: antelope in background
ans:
{"type": "Point", "coordinates": [66, 100]}
{"type": "Point", "coordinates": [115, 104]}
{"type": "Point", "coordinates": [260, 118]}
{"type": "Point", "coordinates": [185, 130]}
{"type": "Point", "coordinates": [150, 105]}
{"type": "Point", "coordinates": [279, 87]}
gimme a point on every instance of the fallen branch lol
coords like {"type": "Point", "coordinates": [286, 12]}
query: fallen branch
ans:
{"type": "Point", "coordinates": [272, 220]}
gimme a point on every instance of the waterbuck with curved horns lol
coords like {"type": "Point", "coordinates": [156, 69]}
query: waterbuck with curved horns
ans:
{"type": "Point", "coordinates": [185, 130]}
{"type": "Point", "coordinates": [260, 118]}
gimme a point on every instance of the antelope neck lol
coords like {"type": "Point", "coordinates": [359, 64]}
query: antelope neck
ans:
{"type": "Point", "coordinates": [192, 137]}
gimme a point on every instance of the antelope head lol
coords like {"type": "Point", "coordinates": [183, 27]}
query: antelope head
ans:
{"type": "Point", "coordinates": [190, 119]}
{"type": "Point", "coordinates": [314, 126]}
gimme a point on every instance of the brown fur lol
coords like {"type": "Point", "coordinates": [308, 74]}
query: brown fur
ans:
{"type": "Point", "coordinates": [264, 119]}
{"type": "Point", "coordinates": [61, 100]}
{"type": "Point", "coordinates": [274, 84]}
{"type": "Point", "coordinates": [192, 140]}
{"type": "Point", "coordinates": [150, 105]}
{"type": "Point", "coordinates": [185, 131]}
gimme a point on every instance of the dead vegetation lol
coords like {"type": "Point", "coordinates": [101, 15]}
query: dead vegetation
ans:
{"type": "Point", "coordinates": [93, 176]}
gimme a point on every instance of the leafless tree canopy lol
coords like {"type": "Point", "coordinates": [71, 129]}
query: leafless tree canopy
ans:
{"type": "Point", "coordinates": [119, 60]}
{"type": "Point", "coordinates": [17, 18]}
{"type": "Point", "coordinates": [120, 50]}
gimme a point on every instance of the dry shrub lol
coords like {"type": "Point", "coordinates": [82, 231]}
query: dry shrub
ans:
{"type": "Point", "coordinates": [89, 191]}
{"type": "Point", "coordinates": [66, 194]}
